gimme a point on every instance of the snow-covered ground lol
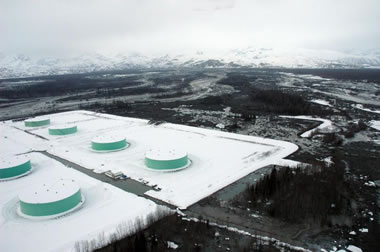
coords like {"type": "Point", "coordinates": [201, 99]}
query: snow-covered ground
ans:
{"type": "Point", "coordinates": [322, 102]}
{"type": "Point", "coordinates": [218, 158]}
{"type": "Point", "coordinates": [14, 141]}
{"type": "Point", "coordinates": [326, 126]}
{"type": "Point", "coordinates": [105, 208]}
{"type": "Point", "coordinates": [290, 163]}
{"type": "Point", "coordinates": [375, 125]}
{"type": "Point", "coordinates": [354, 248]}
{"type": "Point", "coordinates": [361, 107]}
{"type": "Point", "coordinates": [265, 239]}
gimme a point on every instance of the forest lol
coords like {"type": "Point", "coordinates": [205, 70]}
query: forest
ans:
{"type": "Point", "coordinates": [263, 100]}
{"type": "Point", "coordinates": [317, 194]}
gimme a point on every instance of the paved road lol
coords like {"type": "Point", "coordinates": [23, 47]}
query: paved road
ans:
{"type": "Point", "coordinates": [128, 185]}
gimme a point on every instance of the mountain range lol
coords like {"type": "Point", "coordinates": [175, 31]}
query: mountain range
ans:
{"type": "Point", "coordinates": [12, 66]}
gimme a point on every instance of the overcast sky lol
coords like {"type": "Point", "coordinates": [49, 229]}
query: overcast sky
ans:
{"type": "Point", "coordinates": [55, 27]}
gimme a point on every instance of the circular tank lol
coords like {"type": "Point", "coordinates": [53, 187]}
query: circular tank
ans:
{"type": "Point", "coordinates": [14, 167]}
{"type": "Point", "coordinates": [62, 130]}
{"type": "Point", "coordinates": [50, 199]}
{"type": "Point", "coordinates": [166, 160]}
{"type": "Point", "coordinates": [37, 122]}
{"type": "Point", "coordinates": [108, 143]}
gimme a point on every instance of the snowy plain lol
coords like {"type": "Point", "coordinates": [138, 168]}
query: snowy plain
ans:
{"type": "Point", "coordinates": [322, 102]}
{"type": "Point", "coordinates": [105, 208]}
{"type": "Point", "coordinates": [326, 126]}
{"type": "Point", "coordinates": [218, 158]}
{"type": "Point", "coordinates": [361, 107]}
{"type": "Point", "coordinates": [375, 125]}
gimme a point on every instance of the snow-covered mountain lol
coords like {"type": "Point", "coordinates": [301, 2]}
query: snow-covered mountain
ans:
{"type": "Point", "coordinates": [22, 66]}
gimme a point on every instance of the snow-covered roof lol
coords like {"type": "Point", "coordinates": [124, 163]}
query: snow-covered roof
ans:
{"type": "Point", "coordinates": [107, 139]}
{"type": "Point", "coordinates": [165, 154]}
{"type": "Point", "coordinates": [354, 248]}
{"type": "Point", "coordinates": [37, 119]}
{"type": "Point", "coordinates": [50, 192]}
{"type": "Point", "coordinates": [62, 126]}
{"type": "Point", "coordinates": [12, 161]}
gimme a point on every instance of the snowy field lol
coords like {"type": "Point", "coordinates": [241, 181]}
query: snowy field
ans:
{"type": "Point", "coordinates": [218, 158]}
{"type": "Point", "coordinates": [375, 124]}
{"type": "Point", "coordinates": [322, 102]}
{"type": "Point", "coordinates": [325, 127]}
{"type": "Point", "coordinates": [361, 107]}
{"type": "Point", "coordinates": [14, 141]}
{"type": "Point", "coordinates": [105, 207]}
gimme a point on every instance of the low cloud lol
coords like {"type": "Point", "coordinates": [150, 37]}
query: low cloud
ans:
{"type": "Point", "coordinates": [54, 27]}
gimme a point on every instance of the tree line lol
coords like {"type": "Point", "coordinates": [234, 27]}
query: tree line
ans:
{"type": "Point", "coordinates": [318, 193]}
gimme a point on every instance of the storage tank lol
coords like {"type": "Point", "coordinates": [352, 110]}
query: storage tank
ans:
{"type": "Point", "coordinates": [14, 166]}
{"type": "Point", "coordinates": [37, 122]}
{"type": "Point", "coordinates": [65, 129]}
{"type": "Point", "coordinates": [107, 143]}
{"type": "Point", "coordinates": [50, 199]}
{"type": "Point", "coordinates": [166, 159]}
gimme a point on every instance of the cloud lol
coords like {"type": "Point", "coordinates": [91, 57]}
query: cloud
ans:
{"type": "Point", "coordinates": [213, 5]}
{"type": "Point", "coordinates": [47, 27]}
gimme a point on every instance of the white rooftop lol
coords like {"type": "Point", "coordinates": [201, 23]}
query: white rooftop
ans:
{"type": "Point", "coordinates": [50, 191]}
{"type": "Point", "coordinates": [37, 119]}
{"type": "Point", "coordinates": [62, 126]}
{"type": "Point", "coordinates": [107, 139]}
{"type": "Point", "coordinates": [165, 154]}
{"type": "Point", "coordinates": [9, 161]}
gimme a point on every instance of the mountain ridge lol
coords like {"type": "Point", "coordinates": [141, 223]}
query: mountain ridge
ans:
{"type": "Point", "coordinates": [12, 66]}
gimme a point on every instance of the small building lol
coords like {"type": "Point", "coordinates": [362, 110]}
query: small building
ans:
{"type": "Point", "coordinates": [115, 175]}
